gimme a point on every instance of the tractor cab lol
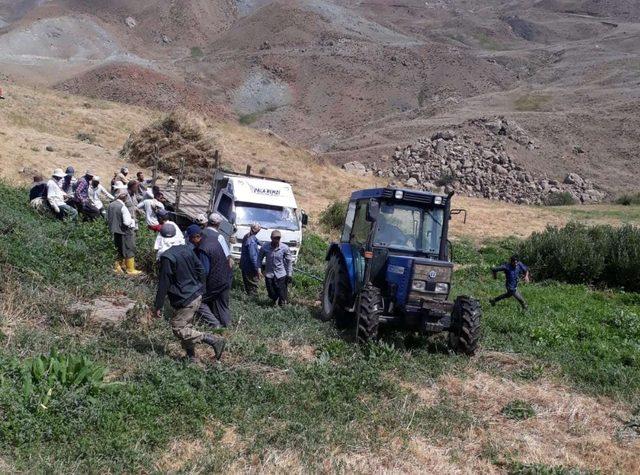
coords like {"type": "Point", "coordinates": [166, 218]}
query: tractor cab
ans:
{"type": "Point", "coordinates": [392, 264]}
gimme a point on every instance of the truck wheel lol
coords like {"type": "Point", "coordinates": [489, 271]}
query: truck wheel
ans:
{"type": "Point", "coordinates": [371, 308]}
{"type": "Point", "coordinates": [464, 334]}
{"type": "Point", "coordinates": [336, 294]}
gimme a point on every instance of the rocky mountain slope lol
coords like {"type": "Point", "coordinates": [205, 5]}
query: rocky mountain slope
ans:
{"type": "Point", "coordinates": [353, 80]}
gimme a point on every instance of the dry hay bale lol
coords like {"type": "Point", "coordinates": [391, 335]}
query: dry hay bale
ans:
{"type": "Point", "coordinates": [176, 136]}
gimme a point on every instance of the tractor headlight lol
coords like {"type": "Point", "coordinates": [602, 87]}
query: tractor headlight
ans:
{"type": "Point", "coordinates": [442, 288]}
{"type": "Point", "coordinates": [419, 285]}
{"type": "Point", "coordinates": [437, 200]}
{"type": "Point", "coordinates": [399, 194]}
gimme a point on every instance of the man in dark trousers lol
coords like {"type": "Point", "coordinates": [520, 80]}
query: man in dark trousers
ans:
{"type": "Point", "coordinates": [278, 272]}
{"type": "Point", "coordinates": [181, 278]}
{"type": "Point", "coordinates": [249, 263]}
{"type": "Point", "coordinates": [217, 271]}
{"type": "Point", "coordinates": [512, 271]}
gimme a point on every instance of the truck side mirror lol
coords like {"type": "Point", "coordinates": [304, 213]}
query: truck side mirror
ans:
{"type": "Point", "coordinates": [304, 219]}
{"type": "Point", "coordinates": [373, 210]}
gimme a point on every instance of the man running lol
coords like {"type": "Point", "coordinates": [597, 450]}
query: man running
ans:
{"type": "Point", "coordinates": [512, 271]}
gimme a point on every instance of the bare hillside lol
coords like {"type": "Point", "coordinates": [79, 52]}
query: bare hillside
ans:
{"type": "Point", "coordinates": [353, 80]}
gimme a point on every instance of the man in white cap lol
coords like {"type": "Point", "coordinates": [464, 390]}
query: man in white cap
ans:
{"type": "Point", "coordinates": [96, 190]}
{"type": "Point", "coordinates": [122, 225]}
{"type": "Point", "coordinates": [151, 207]}
{"type": "Point", "coordinates": [212, 231]}
{"type": "Point", "coordinates": [171, 237]}
{"type": "Point", "coordinates": [57, 198]}
{"type": "Point", "coordinates": [278, 271]}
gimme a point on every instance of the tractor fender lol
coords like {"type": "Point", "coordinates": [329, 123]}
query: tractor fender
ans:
{"type": "Point", "coordinates": [345, 253]}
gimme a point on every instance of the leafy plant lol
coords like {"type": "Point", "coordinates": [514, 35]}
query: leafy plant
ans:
{"type": "Point", "coordinates": [42, 375]}
{"type": "Point", "coordinates": [196, 52]}
{"type": "Point", "coordinates": [332, 218]}
{"type": "Point", "coordinates": [518, 410]}
{"type": "Point", "coordinates": [628, 199]}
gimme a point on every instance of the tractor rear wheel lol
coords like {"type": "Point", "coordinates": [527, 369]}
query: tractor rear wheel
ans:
{"type": "Point", "coordinates": [369, 311]}
{"type": "Point", "coordinates": [464, 334]}
{"type": "Point", "coordinates": [336, 293]}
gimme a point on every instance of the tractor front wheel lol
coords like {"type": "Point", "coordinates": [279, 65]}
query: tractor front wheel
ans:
{"type": "Point", "coordinates": [369, 311]}
{"type": "Point", "coordinates": [336, 293]}
{"type": "Point", "coordinates": [464, 334]}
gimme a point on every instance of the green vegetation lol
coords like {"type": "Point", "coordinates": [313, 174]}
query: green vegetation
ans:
{"type": "Point", "coordinates": [196, 52]}
{"type": "Point", "coordinates": [248, 119]}
{"type": "Point", "coordinates": [560, 198]}
{"type": "Point", "coordinates": [577, 253]}
{"type": "Point", "coordinates": [629, 199]}
{"type": "Point", "coordinates": [289, 383]}
{"type": "Point", "coordinates": [531, 102]}
{"type": "Point", "coordinates": [332, 218]}
{"type": "Point", "coordinates": [518, 410]}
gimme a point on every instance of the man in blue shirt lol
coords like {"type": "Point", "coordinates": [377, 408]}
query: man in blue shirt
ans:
{"type": "Point", "coordinates": [278, 269]}
{"type": "Point", "coordinates": [512, 271]}
{"type": "Point", "coordinates": [249, 263]}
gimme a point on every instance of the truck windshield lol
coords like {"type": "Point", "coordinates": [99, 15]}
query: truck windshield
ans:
{"type": "Point", "coordinates": [409, 228]}
{"type": "Point", "coordinates": [272, 217]}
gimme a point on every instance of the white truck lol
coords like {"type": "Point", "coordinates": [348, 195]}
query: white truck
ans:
{"type": "Point", "coordinates": [243, 199]}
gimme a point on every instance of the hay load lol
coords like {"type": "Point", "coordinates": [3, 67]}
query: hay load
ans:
{"type": "Point", "coordinates": [174, 137]}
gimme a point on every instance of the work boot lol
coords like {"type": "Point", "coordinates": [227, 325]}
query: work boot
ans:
{"type": "Point", "coordinates": [216, 342]}
{"type": "Point", "coordinates": [118, 268]}
{"type": "Point", "coordinates": [191, 355]}
{"type": "Point", "coordinates": [131, 266]}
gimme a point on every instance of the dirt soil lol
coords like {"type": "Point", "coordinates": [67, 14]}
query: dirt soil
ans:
{"type": "Point", "coordinates": [352, 80]}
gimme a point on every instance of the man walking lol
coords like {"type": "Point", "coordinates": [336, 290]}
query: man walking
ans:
{"type": "Point", "coordinates": [122, 225]}
{"type": "Point", "coordinates": [169, 238]}
{"type": "Point", "coordinates": [56, 197]}
{"type": "Point", "coordinates": [181, 276]}
{"type": "Point", "coordinates": [213, 231]}
{"type": "Point", "coordinates": [278, 271]}
{"type": "Point", "coordinates": [512, 271]}
{"type": "Point", "coordinates": [249, 263]}
{"type": "Point", "coordinates": [218, 275]}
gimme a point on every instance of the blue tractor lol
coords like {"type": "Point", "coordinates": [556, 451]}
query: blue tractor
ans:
{"type": "Point", "coordinates": [393, 267]}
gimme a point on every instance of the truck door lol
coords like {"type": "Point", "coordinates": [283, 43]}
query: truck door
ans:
{"type": "Point", "coordinates": [224, 207]}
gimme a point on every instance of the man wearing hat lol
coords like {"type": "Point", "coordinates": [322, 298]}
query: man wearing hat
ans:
{"type": "Point", "coordinates": [212, 231]}
{"type": "Point", "coordinates": [180, 278]}
{"type": "Point", "coordinates": [217, 271]}
{"type": "Point", "coordinates": [69, 182]}
{"type": "Point", "coordinates": [172, 236]}
{"type": "Point", "coordinates": [249, 263]}
{"type": "Point", "coordinates": [57, 198]}
{"type": "Point", "coordinates": [278, 272]}
{"type": "Point", "coordinates": [95, 191]}
{"type": "Point", "coordinates": [81, 196]}
{"type": "Point", "coordinates": [122, 225]}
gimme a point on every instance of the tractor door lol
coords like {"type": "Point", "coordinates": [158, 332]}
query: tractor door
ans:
{"type": "Point", "coordinates": [358, 238]}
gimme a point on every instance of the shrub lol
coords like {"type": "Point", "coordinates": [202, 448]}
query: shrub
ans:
{"type": "Point", "coordinates": [629, 199]}
{"type": "Point", "coordinates": [196, 52]}
{"type": "Point", "coordinates": [582, 254]}
{"type": "Point", "coordinates": [562, 198]}
{"type": "Point", "coordinates": [445, 179]}
{"type": "Point", "coordinates": [333, 216]}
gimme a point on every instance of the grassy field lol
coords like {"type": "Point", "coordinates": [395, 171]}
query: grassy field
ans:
{"type": "Point", "coordinates": [555, 390]}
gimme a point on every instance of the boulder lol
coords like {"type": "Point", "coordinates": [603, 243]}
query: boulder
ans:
{"type": "Point", "coordinates": [444, 135]}
{"type": "Point", "coordinates": [130, 22]}
{"type": "Point", "coordinates": [573, 179]}
{"type": "Point", "coordinates": [356, 168]}
{"type": "Point", "coordinates": [411, 182]}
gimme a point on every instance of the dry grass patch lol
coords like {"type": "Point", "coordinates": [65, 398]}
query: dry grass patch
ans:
{"type": "Point", "coordinates": [568, 429]}
{"type": "Point", "coordinates": [301, 353]}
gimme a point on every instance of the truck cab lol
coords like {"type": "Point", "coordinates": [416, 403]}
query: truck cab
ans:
{"type": "Point", "coordinates": [243, 200]}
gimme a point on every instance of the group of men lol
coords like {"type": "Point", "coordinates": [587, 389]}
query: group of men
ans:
{"type": "Point", "coordinates": [195, 267]}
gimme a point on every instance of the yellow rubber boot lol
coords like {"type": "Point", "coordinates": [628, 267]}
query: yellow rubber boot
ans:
{"type": "Point", "coordinates": [131, 266]}
{"type": "Point", "coordinates": [118, 268]}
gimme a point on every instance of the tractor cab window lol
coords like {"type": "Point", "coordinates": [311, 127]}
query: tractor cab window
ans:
{"type": "Point", "coordinates": [409, 228]}
{"type": "Point", "coordinates": [361, 227]}
{"type": "Point", "coordinates": [348, 221]}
